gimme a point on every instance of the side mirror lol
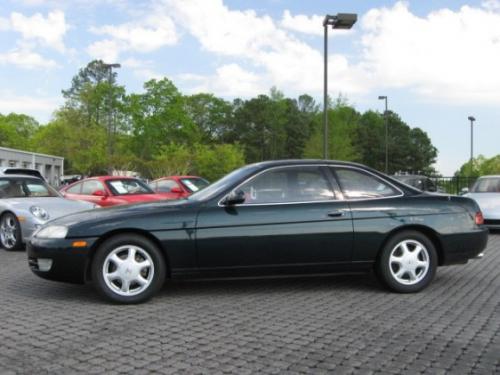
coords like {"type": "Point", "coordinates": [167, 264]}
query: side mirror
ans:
{"type": "Point", "coordinates": [464, 190]}
{"type": "Point", "coordinates": [99, 193]}
{"type": "Point", "coordinates": [176, 190]}
{"type": "Point", "coordinates": [234, 197]}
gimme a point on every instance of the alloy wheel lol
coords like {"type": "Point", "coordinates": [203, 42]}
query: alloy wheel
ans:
{"type": "Point", "coordinates": [8, 231]}
{"type": "Point", "coordinates": [409, 262]}
{"type": "Point", "coordinates": [128, 270]}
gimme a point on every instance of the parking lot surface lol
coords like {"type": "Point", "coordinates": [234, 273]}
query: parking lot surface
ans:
{"type": "Point", "coordinates": [339, 324]}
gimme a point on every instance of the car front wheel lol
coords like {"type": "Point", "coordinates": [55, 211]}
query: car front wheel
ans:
{"type": "Point", "coordinates": [128, 269]}
{"type": "Point", "coordinates": [10, 232]}
{"type": "Point", "coordinates": [408, 262]}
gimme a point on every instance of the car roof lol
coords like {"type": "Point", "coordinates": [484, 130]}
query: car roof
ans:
{"type": "Point", "coordinates": [490, 176]}
{"type": "Point", "coordinates": [14, 176]}
{"type": "Point", "coordinates": [8, 171]}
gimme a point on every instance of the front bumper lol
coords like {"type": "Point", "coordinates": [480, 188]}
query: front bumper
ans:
{"type": "Point", "coordinates": [69, 264]}
{"type": "Point", "coordinates": [28, 227]}
{"type": "Point", "coordinates": [459, 248]}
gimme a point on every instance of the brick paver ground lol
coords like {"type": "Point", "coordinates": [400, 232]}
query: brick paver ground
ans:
{"type": "Point", "coordinates": [340, 324]}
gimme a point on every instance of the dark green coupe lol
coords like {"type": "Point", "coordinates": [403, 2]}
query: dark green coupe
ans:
{"type": "Point", "coordinates": [283, 217]}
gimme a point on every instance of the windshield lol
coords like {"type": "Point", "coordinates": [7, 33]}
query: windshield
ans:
{"type": "Point", "coordinates": [25, 187]}
{"type": "Point", "coordinates": [194, 184]}
{"type": "Point", "coordinates": [487, 185]}
{"type": "Point", "coordinates": [128, 186]}
{"type": "Point", "coordinates": [220, 185]}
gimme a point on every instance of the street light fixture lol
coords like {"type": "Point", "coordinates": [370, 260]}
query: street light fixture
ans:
{"type": "Point", "coordinates": [386, 118]}
{"type": "Point", "coordinates": [471, 119]}
{"type": "Point", "coordinates": [110, 98]}
{"type": "Point", "coordinates": [340, 21]}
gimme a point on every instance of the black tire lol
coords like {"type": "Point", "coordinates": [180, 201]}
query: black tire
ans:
{"type": "Point", "coordinates": [144, 248]}
{"type": "Point", "coordinates": [388, 270]}
{"type": "Point", "coordinates": [6, 241]}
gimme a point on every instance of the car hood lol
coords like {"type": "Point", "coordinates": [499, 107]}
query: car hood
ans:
{"type": "Point", "coordinates": [149, 216]}
{"type": "Point", "coordinates": [488, 202]}
{"type": "Point", "coordinates": [55, 206]}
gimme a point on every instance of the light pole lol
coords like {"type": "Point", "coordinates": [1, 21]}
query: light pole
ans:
{"type": "Point", "coordinates": [386, 114]}
{"type": "Point", "coordinates": [339, 21]}
{"type": "Point", "coordinates": [471, 119]}
{"type": "Point", "coordinates": [110, 99]}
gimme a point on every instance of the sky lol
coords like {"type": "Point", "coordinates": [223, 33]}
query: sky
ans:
{"type": "Point", "coordinates": [437, 61]}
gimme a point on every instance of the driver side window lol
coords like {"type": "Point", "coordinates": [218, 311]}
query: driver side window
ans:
{"type": "Point", "coordinates": [288, 185]}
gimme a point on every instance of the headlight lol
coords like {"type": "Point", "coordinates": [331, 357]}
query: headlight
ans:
{"type": "Point", "coordinates": [52, 231]}
{"type": "Point", "coordinates": [39, 212]}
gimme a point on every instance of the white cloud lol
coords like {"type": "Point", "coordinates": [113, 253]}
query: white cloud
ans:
{"type": "Point", "coordinates": [39, 107]}
{"type": "Point", "coordinates": [147, 35]}
{"type": "Point", "coordinates": [229, 80]}
{"type": "Point", "coordinates": [142, 69]}
{"type": "Point", "coordinates": [48, 30]}
{"type": "Point", "coordinates": [107, 50]}
{"type": "Point", "coordinates": [24, 58]}
{"type": "Point", "coordinates": [448, 55]}
{"type": "Point", "coordinates": [493, 5]}
{"type": "Point", "coordinates": [308, 24]}
{"type": "Point", "coordinates": [281, 59]}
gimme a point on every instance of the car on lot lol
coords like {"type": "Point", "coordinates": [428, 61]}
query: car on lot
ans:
{"type": "Point", "coordinates": [27, 202]}
{"type": "Point", "coordinates": [486, 192]}
{"type": "Point", "coordinates": [176, 187]}
{"type": "Point", "coordinates": [284, 217]}
{"type": "Point", "coordinates": [420, 182]}
{"type": "Point", "coordinates": [110, 191]}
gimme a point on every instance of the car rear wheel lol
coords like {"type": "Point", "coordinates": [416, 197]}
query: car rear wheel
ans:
{"type": "Point", "coordinates": [408, 262]}
{"type": "Point", "coordinates": [10, 232]}
{"type": "Point", "coordinates": [128, 269]}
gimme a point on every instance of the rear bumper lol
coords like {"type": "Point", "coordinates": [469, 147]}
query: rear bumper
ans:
{"type": "Point", "coordinates": [459, 248]}
{"type": "Point", "coordinates": [492, 223]}
{"type": "Point", "coordinates": [67, 263]}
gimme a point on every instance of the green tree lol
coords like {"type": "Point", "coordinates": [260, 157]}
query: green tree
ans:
{"type": "Point", "coordinates": [480, 166]}
{"type": "Point", "coordinates": [16, 131]}
{"type": "Point", "coordinates": [157, 117]}
{"type": "Point", "coordinates": [96, 95]}
{"type": "Point", "coordinates": [342, 125]}
{"type": "Point", "coordinates": [212, 115]}
{"type": "Point", "coordinates": [68, 135]}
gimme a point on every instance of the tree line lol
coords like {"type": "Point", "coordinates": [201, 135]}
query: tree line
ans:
{"type": "Point", "coordinates": [161, 131]}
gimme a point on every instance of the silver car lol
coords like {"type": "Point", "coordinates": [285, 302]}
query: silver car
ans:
{"type": "Point", "coordinates": [486, 192]}
{"type": "Point", "coordinates": [27, 202]}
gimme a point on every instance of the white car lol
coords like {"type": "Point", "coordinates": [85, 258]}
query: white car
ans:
{"type": "Point", "coordinates": [27, 202]}
{"type": "Point", "coordinates": [486, 192]}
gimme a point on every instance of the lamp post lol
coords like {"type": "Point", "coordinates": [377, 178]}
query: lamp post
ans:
{"type": "Point", "coordinates": [471, 119]}
{"type": "Point", "coordinates": [110, 99]}
{"type": "Point", "coordinates": [339, 21]}
{"type": "Point", "coordinates": [384, 97]}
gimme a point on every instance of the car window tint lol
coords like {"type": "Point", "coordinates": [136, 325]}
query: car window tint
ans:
{"type": "Point", "coordinates": [356, 184]}
{"type": "Point", "coordinates": [487, 185]}
{"type": "Point", "coordinates": [89, 187]}
{"type": "Point", "coordinates": [75, 189]}
{"type": "Point", "coordinates": [287, 185]}
{"type": "Point", "coordinates": [165, 186]}
{"type": "Point", "coordinates": [37, 189]}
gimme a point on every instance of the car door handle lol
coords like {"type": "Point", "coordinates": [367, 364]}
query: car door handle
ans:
{"type": "Point", "coordinates": [335, 213]}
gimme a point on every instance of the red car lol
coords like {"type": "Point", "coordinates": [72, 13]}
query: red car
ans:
{"type": "Point", "coordinates": [176, 187]}
{"type": "Point", "coordinates": [110, 191]}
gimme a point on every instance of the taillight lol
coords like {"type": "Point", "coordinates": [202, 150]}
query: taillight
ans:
{"type": "Point", "coordinates": [479, 219]}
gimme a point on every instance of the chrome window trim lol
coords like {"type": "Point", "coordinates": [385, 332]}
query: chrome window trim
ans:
{"type": "Point", "coordinates": [343, 198]}
{"type": "Point", "coordinates": [279, 203]}
{"type": "Point", "coordinates": [401, 193]}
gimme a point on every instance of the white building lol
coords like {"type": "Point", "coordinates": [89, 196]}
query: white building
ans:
{"type": "Point", "coordinates": [51, 167]}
